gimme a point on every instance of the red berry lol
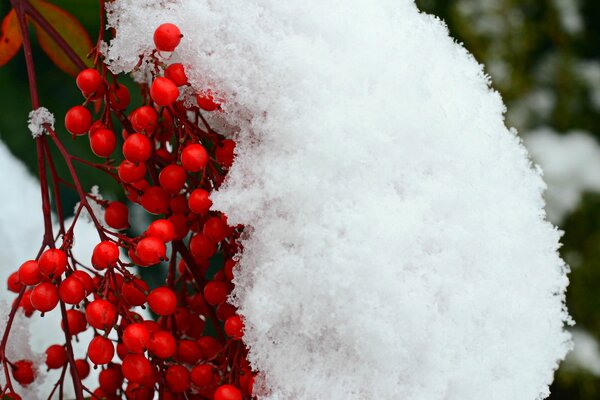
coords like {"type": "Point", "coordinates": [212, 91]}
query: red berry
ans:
{"type": "Point", "coordinates": [111, 378]}
{"type": "Point", "coordinates": [234, 327]}
{"type": "Point", "coordinates": [134, 292]}
{"type": "Point", "coordinates": [103, 142]}
{"type": "Point", "coordinates": [194, 157]}
{"type": "Point", "coordinates": [78, 120]}
{"type": "Point", "coordinates": [188, 351]}
{"type": "Point", "coordinates": [167, 37]}
{"type": "Point", "coordinates": [85, 279]}
{"type": "Point", "coordinates": [201, 247]}
{"type": "Point", "coordinates": [83, 368]}
{"type": "Point", "coordinates": [215, 229]}
{"type": "Point", "coordinates": [225, 153]}
{"type": "Point", "coordinates": [71, 290]}
{"type": "Point", "coordinates": [210, 347]}
{"type": "Point", "coordinates": [179, 204]}
{"type": "Point", "coordinates": [101, 314]}
{"type": "Point", "coordinates": [25, 303]}
{"type": "Point", "coordinates": [155, 200]}
{"type": "Point", "coordinates": [52, 263]}
{"type": "Point", "coordinates": [206, 101]}
{"type": "Point", "coordinates": [131, 172]}
{"type": "Point", "coordinates": [202, 375]}
{"type": "Point", "coordinates": [137, 148]}
{"type": "Point", "coordinates": [96, 126]}
{"type": "Point", "coordinates": [162, 344]}
{"type": "Point", "coordinates": [162, 301]}
{"type": "Point", "coordinates": [162, 152]}
{"type": "Point", "coordinates": [200, 201]}
{"type": "Point", "coordinates": [172, 178]}
{"type": "Point", "coordinates": [227, 392]}
{"type": "Point", "coordinates": [136, 391]}
{"type": "Point", "coordinates": [119, 97]}
{"type": "Point", "coordinates": [23, 372]}
{"type": "Point", "coordinates": [225, 311]}
{"type": "Point", "coordinates": [44, 297]}
{"type": "Point", "coordinates": [180, 225]}
{"type": "Point", "coordinates": [150, 250]}
{"type": "Point", "coordinates": [116, 215]}
{"type": "Point", "coordinates": [164, 92]}
{"type": "Point", "coordinates": [76, 322]}
{"type": "Point", "coordinates": [13, 282]}
{"type": "Point", "coordinates": [162, 229]}
{"type": "Point", "coordinates": [56, 356]}
{"type": "Point", "coordinates": [29, 273]}
{"type": "Point", "coordinates": [136, 368]}
{"type": "Point", "coordinates": [101, 350]}
{"type": "Point", "coordinates": [215, 292]}
{"type": "Point", "coordinates": [176, 73]}
{"type": "Point", "coordinates": [88, 81]}
{"type": "Point", "coordinates": [105, 254]}
{"type": "Point", "coordinates": [133, 193]}
{"type": "Point", "coordinates": [136, 338]}
{"type": "Point", "coordinates": [182, 319]}
{"type": "Point", "coordinates": [144, 119]}
{"type": "Point", "coordinates": [178, 378]}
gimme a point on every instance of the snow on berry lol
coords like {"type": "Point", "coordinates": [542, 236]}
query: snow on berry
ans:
{"type": "Point", "coordinates": [397, 244]}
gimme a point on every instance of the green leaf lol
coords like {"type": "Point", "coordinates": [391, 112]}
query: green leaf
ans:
{"type": "Point", "coordinates": [69, 28]}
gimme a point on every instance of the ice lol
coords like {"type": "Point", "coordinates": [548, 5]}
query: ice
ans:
{"type": "Point", "coordinates": [396, 242]}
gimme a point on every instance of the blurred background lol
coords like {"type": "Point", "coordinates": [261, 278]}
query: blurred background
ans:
{"type": "Point", "coordinates": [543, 57]}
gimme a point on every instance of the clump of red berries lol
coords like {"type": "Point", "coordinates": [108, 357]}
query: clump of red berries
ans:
{"type": "Point", "coordinates": [169, 162]}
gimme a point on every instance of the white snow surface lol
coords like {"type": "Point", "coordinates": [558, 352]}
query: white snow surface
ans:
{"type": "Point", "coordinates": [396, 240]}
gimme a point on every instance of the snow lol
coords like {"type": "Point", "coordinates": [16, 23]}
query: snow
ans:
{"type": "Point", "coordinates": [571, 165]}
{"type": "Point", "coordinates": [96, 207]}
{"type": "Point", "coordinates": [37, 118]}
{"type": "Point", "coordinates": [396, 241]}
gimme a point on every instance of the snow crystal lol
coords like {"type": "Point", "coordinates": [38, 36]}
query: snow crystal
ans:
{"type": "Point", "coordinates": [37, 119]}
{"type": "Point", "coordinates": [96, 208]}
{"type": "Point", "coordinates": [571, 165]}
{"type": "Point", "coordinates": [396, 244]}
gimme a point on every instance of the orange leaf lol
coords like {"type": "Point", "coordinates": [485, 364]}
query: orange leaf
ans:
{"type": "Point", "coordinates": [69, 29]}
{"type": "Point", "coordinates": [10, 37]}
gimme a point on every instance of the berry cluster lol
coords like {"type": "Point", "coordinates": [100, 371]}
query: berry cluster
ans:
{"type": "Point", "coordinates": [172, 160]}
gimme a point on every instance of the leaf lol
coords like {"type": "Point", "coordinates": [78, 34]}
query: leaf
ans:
{"type": "Point", "coordinates": [10, 37]}
{"type": "Point", "coordinates": [69, 29]}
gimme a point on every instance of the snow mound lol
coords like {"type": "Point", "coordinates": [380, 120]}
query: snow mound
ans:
{"type": "Point", "coordinates": [396, 240]}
